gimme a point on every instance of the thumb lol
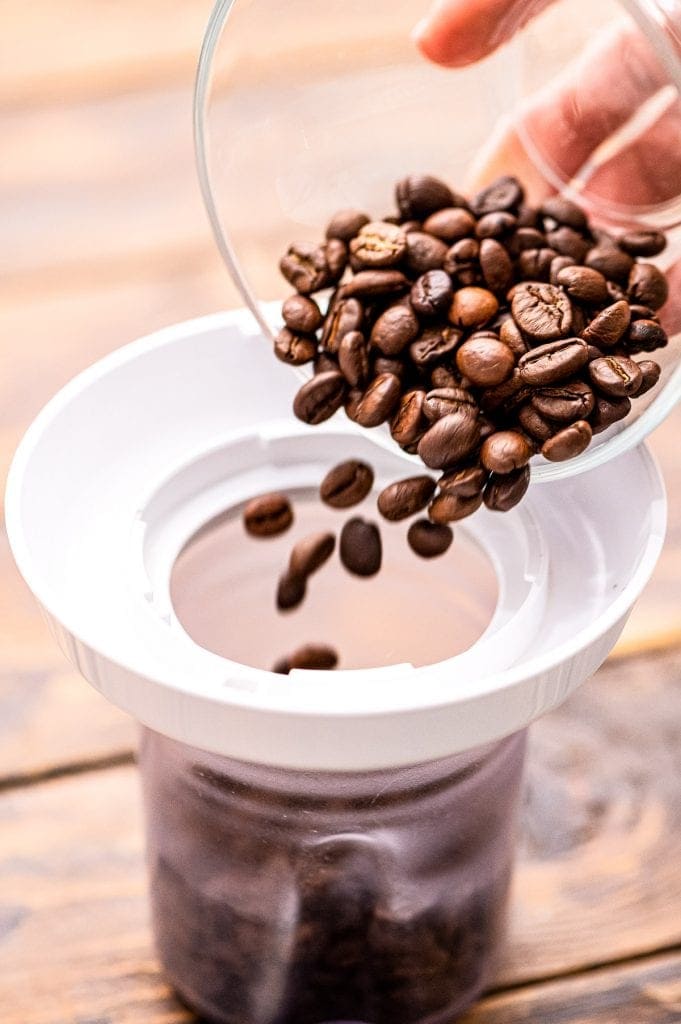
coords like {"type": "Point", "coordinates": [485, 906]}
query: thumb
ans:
{"type": "Point", "coordinates": [459, 32]}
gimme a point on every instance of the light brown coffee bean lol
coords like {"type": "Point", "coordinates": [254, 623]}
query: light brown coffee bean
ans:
{"type": "Point", "coordinates": [486, 362]}
{"type": "Point", "coordinates": [509, 333]}
{"type": "Point", "coordinates": [353, 359]}
{"type": "Point", "coordinates": [379, 245]}
{"type": "Point", "coordinates": [449, 507]}
{"type": "Point", "coordinates": [583, 284]}
{"type": "Point", "coordinates": [615, 375]}
{"type": "Point", "coordinates": [450, 224]}
{"type": "Point", "coordinates": [301, 314]}
{"type": "Point", "coordinates": [472, 307]}
{"type": "Point", "coordinates": [294, 349]}
{"type": "Point", "coordinates": [405, 498]}
{"type": "Point", "coordinates": [505, 451]}
{"type": "Point", "coordinates": [553, 362]}
{"type": "Point", "coordinates": [429, 540]}
{"type": "Point", "coordinates": [310, 554]}
{"type": "Point", "coordinates": [344, 315]}
{"type": "Point", "coordinates": [346, 224]}
{"type": "Point", "coordinates": [268, 515]}
{"type": "Point", "coordinates": [409, 423]}
{"type": "Point", "coordinates": [542, 311]}
{"type": "Point", "coordinates": [608, 326]}
{"type": "Point", "coordinates": [346, 484]}
{"type": "Point", "coordinates": [568, 443]}
{"type": "Point", "coordinates": [379, 400]}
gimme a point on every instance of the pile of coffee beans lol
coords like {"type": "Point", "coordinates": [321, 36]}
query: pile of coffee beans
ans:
{"type": "Point", "coordinates": [483, 331]}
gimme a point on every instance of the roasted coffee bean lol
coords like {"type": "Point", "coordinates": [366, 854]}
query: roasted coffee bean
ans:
{"type": "Point", "coordinates": [344, 315]}
{"type": "Point", "coordinates": [584, 285]}
{"type": "Point", "coordinates": [424, 252]}
{"type": "Point", "coordinates": [559, 263]}
{"type": "Point", "coordinates": [462, 253]}
{"type": "Point", "coordinates": [565, 402]}
{"type": "Point", "coordinates": [564, 212]}
{"type": "Point", "coordinates": [379, 400]}
{"type": "Point", "coordinates": [291, 591]}
{"type": "Point", "coordinates": [383, 364]}
{"type": "Point", "coordinates": [450, 224]}
{"type": "Point", "coordinates": [409, 422]}
{"type": "Point", "coordinates": [419, 195]}
{"type": "Point", "coordinates": [379, 245]}
{"type": "Point", "coordinates": [509, 333]}
{"type": "Point", "coordinates": [369, 283]}
{"type": "Point", "coordinates": [506, 490]}
{"type": "Point", "coordinates": [336, 258]}
{"type": "Point", "coordinates": [535, 264]}
{"type": "Point", "coordinates": [323, 362]}
{"type": "Point", "coordinates": [281, 667]}
{"type": "Point", "coordinates": [505, 451]}
{"type": "Point", "coordinates": [534, 424]}
{"type": "Point", "coordinates": [444, 377]}
{"type": "Point", "coordinates": [405, 497]}
{"type": "Point", "coordinates": [525, 239]}
{"type": "Point", "coordinates": [568, 243]}
{"type": "Point", "coordinates": [608, 326]}
{"type": "Point", "coordinates": [643, 243]}
{"type": "Point", "coordinates": [568, 443]}
{"type": "Point", "coordinates": [346, 224]}
{"type": "Point", "coordinates": [353, 359]}
{"type": "Point", "coordinates": [319, 657]}
{"type": "Point", "coordinates": [347, 484]}
{"type": "Point", "coordinates": [429, 540]}
{"type": "Point", "coordinates": [650, 372]}
{"type": "Point", "coordinates": [496, 265]}
{"type": "Point", "coordinates": [442, 401]}
{"type": "Point", "coordinates": [647, 285]}
{"type": "Point", "coordinates": [593, 352]}
{"type": "Point", "coordinates": [433, 344]}
{"type": "Point", "coordinates": [528, 217]}
{"type": "Point", "coordinates": [542, 311]}
{"type": "Point", "coordinates": [305, 267]}
{"type": "Point", "coordinates": [506, 193]}
{"type": "Point", "coordinates": [409, 225]}
{"type": "Point", "coordinates": [646, 336]}
{"type": "Point", "coordinates": [268, 515]}
{"type": "Point", "coordinates": [301, 314]}
{"type": "Point", "coordinates": [294, 349]}
{"type": "Point", "coordinates": [615, 375]}
{"type": "Point", "coordinates": [473, 307]}
{"type": "Point", "coordinates": [395, 329]}
{"type": "Point", "coordinates": [449, 507]}
{"type": "Point", "coordinates": [507, 396]}
{"type": "Point", "coordinates": [553, 362]}
{"type": "Point", "coordinates": [616, 293]}
{"type": "Point", "coordinates": [496, 225]}
{"type": "Point", "coordinates": [351, 403]}
{"type": "Point", "coordinates": [639, 312]}
{"type": "Point", "coordinates": [608, 411]}
{"type": "Point", "coordinates": [450, 439]}
{"type": "Point", "coordinates": [361, 551]}
{"type": "Point", "coordinates": [431, 293]}
{"type": "Point", "coordinates": [466, 483]}
{"type": "Point", "coordinates": [486, 362]}
{"type": "Point", "coordinates": [310, 553]}
{"type": "Point", "coordinates": [319, 398]}
{"type": "Point", "coordinates": [610, 261]}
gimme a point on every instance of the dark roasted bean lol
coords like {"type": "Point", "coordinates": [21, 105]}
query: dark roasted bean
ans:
{"type": "Point", "coordinates": [553, 362]}
{"type": "Point", "coordinates": [310, 553]}
{"type": "Point", "coordinates": [534, 424]}
{"type": "Point", "coordinates": [466, 483]}
{"type": "Point", "coordinates": [379, 245]}
{"type": "Point", "coordinates": [639, 312]}
{"type": "Point", "coordinates": [496, 224]}
{"type": "Point", "coordinates": [429, 540]}
{"type": "Point", "coordinates": [379, 400]}
{"type": "Point", "coordinates": [405, 498]}
{"type": "Point", "coordinates": [351, 403]}
{"type": "Point", "coordinates": [565, 402]}
{"type": "Point", "coordinates": [291, 591]}
{"type": "Point", "coordinates": [650, 373]}
{"type": "Point", "coordinates": [608, 411]}
{"type": "Point", "coordinates": [281, 667]}
{"type": "Point", "coordinates": [448, 507]}
{"type": "Point", "coordinates": [473, 307]}
{"type": "Point", "coordinates": [535, 264]}
{"type": "Point", "coordinates": [615, 375]}
{"type": "Point", "coordinates": [368, 283]}
{"type": "Point", "coordinates": [450, 224]}
{"type": "Point", "coordinates": [506, 193]}
{"type": "Point", "coordinates": [419, 195]}
{"type": "Point", "coordinates": [563, 211]}
{"type": "Point", "coordinates": [647, 285]}
{"type": "Point", "coordinates": [643, 243]}
{"type": "Point", "coordinates": [608, 326]}
{"type": "Point", "coordinates": [450, 439]}
{"type": "Point", "coordinates": [646, 336]}
{"type": "Point", "coordinates": [353, 359]}
{"type": "Point", "coordinates": [305, 266]}
{"type": "Point", "coordinates": [425, 252]}
{"type": "Point", "coordinates": [568, 243]}
{"type": "Point", "coordinates": [395, 329]}
{"type": "Point", "coordinates": [433, 344]}
{"type": "Point", "coordinates": [301, 314]}
{"type": "Point", "coordinates": [361, 551]}
{"type": "Point", "coordinates": [611, 262]}
{"type": "Point", "coordinates": [584, 285]}
{"type": "Point", "coordinates": [432, 293]}
{"type": "Point", "coordinates": [485, 361]}
{"type": "Point", "coordinates": [496, 265]}
{"type": "Point", "coordinates": [525, 239]}
{"type": "Point", "coordinates": [383, 364]}
{"type": "Point", "coordinates": [505, 451]}
{"type": "Point", "coordinates": [510, 334]}
{"type": "Point", "coordinates": [344, 315]}
{"type": "Point", "coordinates": [314, 657]}
{"type": "Point", "coordinates": [294, 349]}
{"type": "Point", "coordinates": [442, 401]}
{"type": "Point", "coordinates": [346, 484]}
{"type": "Point", "coordinates": [268, 515]}
{"type": "Point", "coordinates": [346, 224]}
{"type": "Point", "coordinates": [319, 398]}
{"type": "Point", "coordinates": [542, 311]}
{"type": "Point", "coordinates": [567, 443]}
{"type": "Point", "coordinates": [409, 422]}
{"type": "Point", "coordinates": [505, 490]}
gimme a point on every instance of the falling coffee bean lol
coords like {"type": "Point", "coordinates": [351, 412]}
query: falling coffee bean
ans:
{"type": "Point", "coordinates": [347, 484]}
{"type": "Point", "coordinates": [268, 516]}
{"type": "Point", "coordinates": [290, 591]}
{"type": "Point", "coordinates": [405, 497]}
{"type": "Point", "coordinates": [320, 657]}
{"type": "Point", "coordinates": [429, 540]}
{"type": "Point", "coordinates": [361, 551]}
{"type": "Point", "coordinates": [310, 554]}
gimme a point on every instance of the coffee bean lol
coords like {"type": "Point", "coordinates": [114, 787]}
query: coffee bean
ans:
{"type": "Point", "coordinates": [584, 285]}
{"type": "Point", "coordinates": [647, 285]}
{"type": "Point", "coordinates": [525, 239]}
{"type": "Point", "coordinates": [344, 315]}
{"type": "Point", "coordinates": [294, 349]}
{"type": "Point", "coordinates": [568, 443]}
{"type": "Point", "coordinates": [462, 253]}
{"type": "Point", "coordinates": [496, 265]}
{"type": "Point", "coordinates": [310, 554]}
{"type": "Point", "coordinates": [553, 362]}
{"type": "Point", "coordinates": [610, 261]}
{"type": "Point", "coordinates": [593, 352]}
{"type": "Point", "coordinates": [305, 267]}
{"type": "Point", "coordinates": [443, 401]}
{"type": "Point", "coordinates": [608, 326]}
{"type": "Point", "coordinates": [323, 362]}
{"type": "Point", "coordinates": [450, 224]}
{"type": "Point", "coordinates": [268, 515]}
{"type": "Point", "coordinates": [429, 540]}
{"type": "Point", "coordinates": [346, 224]}
{"type": "Point", "coordinates": [564, 403]}
{"type": "Point", "coordinates": [650, 372]}
{"type": "Point", "coordinates": [281, 667]}
{"type": "Point", "coordinates": [643, 243]}
{"type": "Point", "coordinates": [336, 258]}
{"type": "Point", "coordinates": [291, 591]}
{"type": "Point", "coordinates": [382, 364]}
{"type": "Point", "coordinates": [466, 483]}
{"type": "Point", "coordinates": [353, 359]}
{"type": "Point", "coordinates": [301, 314]}
{"type": "Point", "coordinates": [485, 361]}
{"type": "Point", "coordinates": [351, 403]}
{"type": "Point", "coordinates": [535, 264]}
{"type": "Point", "coordinates": [369, 283]}
{"type": "Point", "coordinates": [450, 439]}
{"type": "Point", "coordinates": [505, 451]}
{"type": "Point", "coordinates": [361, 551]}
{"type": "Point", "coordinates": [379, 400]}
{"type": "Point", "coordinates": [639, 312]}
{"type": "Point", "coordinates": [424, 252]}
{"type": "Point", "coordinates": [564, 212]}
{"type": "Point", "coordinates": [409, 422]}
{"type": "Point", "coordinates": [509, 333]}
{"type": "Point", "coordinates": [431, 293]}
{"type": "Point", "coordinates": [496, 225]}
{"type": "Point", "coordinates": [319, 398]}
{"type": "Point", "coordinates": [542, 311]}
{"type": "Point", "coordinates": [408, 225]}
{"type": "Point", "coordinates": [318, 657]}
{"type": "Point", "coordinates": [419, 195]}
{"type": "Point", "coordinates": [646, 336]}
{"type": "Point", "coordinates": [449, 507]}
{"type": "Point", "coordinates": [472, 307]}
{"type": "Point", "coordinates": [347, 484]}
{"type": "Point", "coordinates": [444, 377]}
{"type": "Point", "coordinates": [534, 424]}
{"type": "Point", "coordinates": [615, 375]}
{"type": "Point", "coordinates": [559, 263]}
{"type": "Point", "coordinates": [506, 193]}
{"type": "Point", "coordinates": [405, 497]}
{"type": "Point", "coordinates": [505, 397]}
{"type": "Point", "coordinates": [395, 329]}
{"type": "Point", "coordinates": [433, 344]}
{"type": "Point", "coordinates": [568, 243]}
{"type": "Point", "coordinates": [379, 245]}
{"type": "Point", "coordinates": [505, 490]}
{"type": "Point", "coordinates": [528, 217]}
{"type": "Point", "coordinates": [608, 411]}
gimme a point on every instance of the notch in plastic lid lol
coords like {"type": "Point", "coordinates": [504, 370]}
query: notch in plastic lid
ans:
{"type": "Point", "coordinates": [302, 110]}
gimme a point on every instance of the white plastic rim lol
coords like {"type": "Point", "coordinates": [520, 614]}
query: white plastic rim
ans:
{"type": "Point", "coordinates": [130, 458]}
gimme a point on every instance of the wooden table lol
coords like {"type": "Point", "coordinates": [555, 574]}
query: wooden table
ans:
{"type": "Point", "coordinates": [104, 239]}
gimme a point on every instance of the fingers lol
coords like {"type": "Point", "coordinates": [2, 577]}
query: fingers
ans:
{"type": "Point", "coordinates": [460, 32]}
